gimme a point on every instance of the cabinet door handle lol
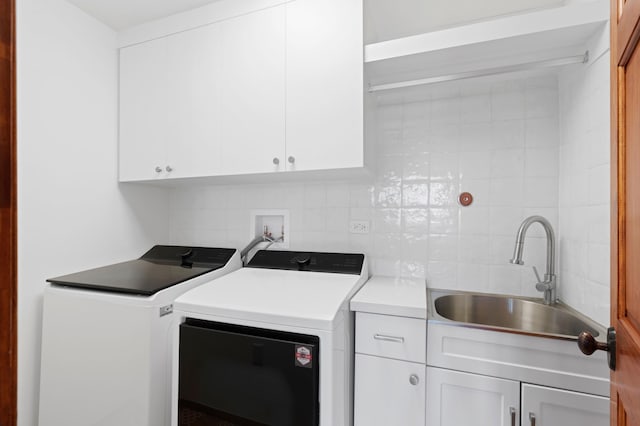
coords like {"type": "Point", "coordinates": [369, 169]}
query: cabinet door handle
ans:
{"type": "Point", "coordinates": [168, 169]}
{"type": "Point", "coordinates": [532, 419]}
{"type": "Point", "coordinates": [276, 160]}
{"type": "Point", "coordinates": [512, 412]}
{"type": "Point", "coordinates": [158, 169]}
{"type": "Point", "coordinates": [395, 339]}
{"type": "Point", "coordinates": [414, 379]}
{"type": "Point", "coordinates": [291, 159]}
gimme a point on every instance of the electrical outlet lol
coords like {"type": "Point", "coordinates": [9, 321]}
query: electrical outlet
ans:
{"type": "Point", "coordinates": [359, 227]}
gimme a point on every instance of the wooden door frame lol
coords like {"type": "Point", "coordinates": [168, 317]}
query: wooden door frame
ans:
{"type": "Point", "coordinates": [8, 217]}
{"type": "Point", "coordinates": [625, 380]}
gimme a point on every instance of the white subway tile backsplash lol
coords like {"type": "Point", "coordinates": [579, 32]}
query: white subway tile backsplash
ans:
{"type": "Point", "coordinates": [415, 194]}
{"type": "Point", "coordinates": [475, 164]}
{"type": "Point", "coordinates": [443, 193]}
{"type": "Point", "coordinates": [387, 221]}
{"type": "Point", "coordinates": [507, 163]}
{"type": "Point", "coordinates": [541, 102]}
{"type": "Point", "coordinates": [445, 110]}
{"type": "Point", "coordinates": [416, 166]}
{"type": "Point", "coordinates": [475, 109]}
{"type": "Point", "coordinates": [315, 196]}
{"type": "Point", "coordinates": [475, 136]}
{"type": "Point", "coordinates": [443, 248]}
{"type": "Point", "coordinates": [501, 249]}
{"type": "Point", "coordinates": [444, 138]}
{"type": "Point", "coordinates": [584, 197]}
{"type": "Point", "coordinates": [361, 195]}
{"type": "Point", "coordinates": [598, 271]}
{"type": "Point", "coordinates": [599, 184]}
{"type": "Point", "coordinates": [389, 195]}
{"type": "Point", "coordinates": [474, 220]}
{"type": "Point", "coordinates": [473, 249]}
{"type": "Point", "coordinates": [415, 220]}
{"type": "Point", "coordinates": [541, 192]}
{"type": "Point", "coordinates": [509, 134]}
{"type": "Point", "coordinates": [473, 276]}
{"type": "Point", "coordinates": [504, 221]}
{"type": "Point", "coordinates": [415, 247]}
{"type": "Point", "coordinates": [444, 165]}
{"type": "Point", "coordinates": [337, 195]}
{"type": "Point", "coordinates": [504, 279]}
{"type": "Point", "coordinates": [507, 104]}
{"type": "Point", "coordinates": [598, 216]}
{"type": "Point", "coordinates": [442, 275]}
{"type": "Point", "coordinates": [541, 162]}
{"type": "Point", "coordinates": [507, 192]}
{"type": "Point", "coordinates": [337, 219]}
{"type": "Point", "coordinates": [387, 246]}
{"type": "Point", "coordinates": [541, 132]}
{"type": "Point", "coordinates": [443, 220]}
{"type": "Point", "coordinates": [497, 140]}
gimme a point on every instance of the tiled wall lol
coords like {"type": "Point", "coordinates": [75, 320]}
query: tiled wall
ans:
{"type": "Point", "coordinates": [584, 186]}
{"type": "Point", "coordinates": [497, 140]}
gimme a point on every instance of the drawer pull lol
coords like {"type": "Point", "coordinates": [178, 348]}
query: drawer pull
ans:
{"type": "Point", "coordinates": [394, 339]}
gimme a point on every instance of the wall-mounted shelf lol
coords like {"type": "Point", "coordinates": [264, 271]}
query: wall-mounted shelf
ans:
{"type": "Point", "coordinates": [533, 37]}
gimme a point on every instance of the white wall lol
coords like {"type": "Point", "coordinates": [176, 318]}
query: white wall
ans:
{"type": "Point", "coordinates": [584, 183]}
{"type": "Point", "coordinates": [71, 212]}
{"type": "Point", "coordinates": [495, 139]}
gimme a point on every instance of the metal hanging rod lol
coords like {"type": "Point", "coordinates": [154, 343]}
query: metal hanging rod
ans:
{"type": "Point", "coordinates": [584, 58]}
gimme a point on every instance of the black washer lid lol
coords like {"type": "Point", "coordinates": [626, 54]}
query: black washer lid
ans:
{"type": "Point", "coordinates": [342, 263]}
{"type": "Point", "coordinates": [159, 268]}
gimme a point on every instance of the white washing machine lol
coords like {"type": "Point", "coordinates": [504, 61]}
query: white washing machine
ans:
{"type": "Point", "coordinates": [106, 337]}
{"type": "Point", "coordinates": [269, 344]}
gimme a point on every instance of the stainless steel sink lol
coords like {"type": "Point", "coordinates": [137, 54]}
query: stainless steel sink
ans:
{"type": "Point", "coordinates": [511, 313]}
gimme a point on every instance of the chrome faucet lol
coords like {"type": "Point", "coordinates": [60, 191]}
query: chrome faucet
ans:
{"type": "Point", "coordinates": [548, 285]}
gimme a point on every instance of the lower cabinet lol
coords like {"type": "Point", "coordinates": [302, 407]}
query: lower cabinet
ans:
{"type": "Point", "coordinates": [543, 406]}
{"type": "Point", "coordinates": [458, 398]}
{"type": "Point", "coordinates": [455, 398]}
{"type": "Point", "coordinates": [388, 392]}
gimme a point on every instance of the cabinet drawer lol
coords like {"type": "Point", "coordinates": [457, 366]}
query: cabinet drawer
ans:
{"type": "Point", "coordinates": [391, 337]}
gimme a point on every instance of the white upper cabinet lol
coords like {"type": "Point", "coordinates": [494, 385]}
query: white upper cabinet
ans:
{"type": "Point", "coordinates": [275, 89]}
{"type": "Point", "coordinates": [194, 102]}
{"type": "Point", "coordinates": [253, 111]}
{"type": "Point", "coordinates": [324, 84]}
{"type": "Point", "coordinates": [143, 112]}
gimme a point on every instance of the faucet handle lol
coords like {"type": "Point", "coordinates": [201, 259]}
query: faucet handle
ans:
{"type": "Point", "coordinates": [535, 271]}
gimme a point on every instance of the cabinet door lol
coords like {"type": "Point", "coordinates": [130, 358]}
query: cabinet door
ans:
{"type": "Point", "coordinates": [143, 111]}
{"type": "Point", "coordinates": [542, 406]}
{"type": "Point", "coordinates": [252, 92]}
{"type": "Point", "coordinates": [385, 393]}
{"type": "Point", "coordinates": [455, 398]}
{"type": "Point", "coordinates": [193, 99]}
{"type": "Point", "coordinates": [324, 84]}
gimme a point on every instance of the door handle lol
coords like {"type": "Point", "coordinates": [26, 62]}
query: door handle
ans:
{"type": "Point", "coordinates": [532, 419]}
{"type": "Point", "coordinates": [512, 413]}
{"type": "Point", "coordinates": [588, 345]}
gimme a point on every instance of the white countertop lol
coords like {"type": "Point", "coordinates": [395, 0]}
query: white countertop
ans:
{"type": "Point", "coordinates": [405, 297]}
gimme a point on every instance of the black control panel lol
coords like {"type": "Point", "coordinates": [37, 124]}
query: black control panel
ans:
{"type": "Point", "coordinates": [341, 263]}
{"type": "Point", "coordinates": [202, 257]}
